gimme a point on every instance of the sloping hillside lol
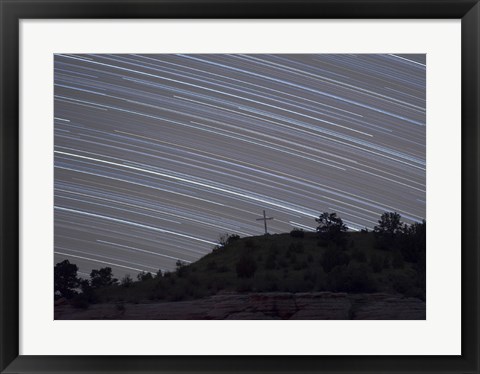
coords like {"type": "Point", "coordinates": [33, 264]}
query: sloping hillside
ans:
{"type": "Point", "coordinates": [295, 263]}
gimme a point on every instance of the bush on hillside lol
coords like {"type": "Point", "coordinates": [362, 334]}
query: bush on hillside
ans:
{"type": "Point", "coordinates": [402, 282]}
{"type": "Point", "coordinates": [376, 263]}
{"type": "Point", "coordinates": [246, 267]}
{"type": "Point", "coordinates": [359, 256]}
{"type": "Point", "coordinates": [143, 276]}
{"type": "Point", "coordinates": [354, 278]}
{"type": "Point", "coordinates": [126, 281]}
{"type": "Point", "coordinates": [333, 257]}
{"type": "Point", "coordinates": [297, 233]}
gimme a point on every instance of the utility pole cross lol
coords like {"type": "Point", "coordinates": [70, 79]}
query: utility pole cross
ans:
{"type": "Point", "coordinates": [264, 219]}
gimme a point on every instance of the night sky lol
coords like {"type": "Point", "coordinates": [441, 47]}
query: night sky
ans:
{"type": "Point", "coordinates": [156, 156]}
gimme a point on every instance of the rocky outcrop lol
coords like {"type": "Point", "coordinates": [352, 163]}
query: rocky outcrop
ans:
{"type": "Point", "coordinates": [273, 305]}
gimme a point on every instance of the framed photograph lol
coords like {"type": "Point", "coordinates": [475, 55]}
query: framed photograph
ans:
{"type": "Point", "coordinates": [240, 186]}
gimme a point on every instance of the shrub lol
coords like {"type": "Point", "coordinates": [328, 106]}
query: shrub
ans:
{"type": "Point", "coordinates": [354, 278]}
{"type": "Point", "coordinates": [300, 265]}
{"type": "Point", "coordinates": [273, 248]}
{"type": "Point", "coordinates": [297, 233]}
{"type": "Point", "coordinates": [249, 243]}
{"type": "Point", "coordinates": [282, 263]}
{"type": "Point", "coordinates": [85, 286]}
{"type": "Point", "coordinates": [219, 284]}
{"type": "Point", "coordinates": [193, 280]}
{"type": "Point", "coordinates": [126, 281]}
{"type": "Point", "coordinates": [246, 267]}
{"type": "Point", "coordinates": [402, 282]}
{"type": "Point", "coordinates": [212, 265]}
{"type": "Point", "coordinates": [270, 262]}
{"type": "Point", "coordinates": [181, 268]}
{"type": "Point", "coordinates": [413, 242]}
{"type": "Point", "coordinates": [244, 286]}
{"type": "Point", "coordinates": [226, 239]}
{"type": "Point", "coordinates": [299, 285]}
{"type": "Point", "coordinates": [271, 282]}
{"type": "Point", "coordinates": [143, 276]}
{"type": "Point", "coordinates": [310, 276]}
{"type": "Point", "coordinates": [376, 263]}
{"type": "Point", "coordinates": [359, 256]}
{"type": "Point", "coordinates": [333, 257]}
{"type": "Point", "coordinates": [102, 278]}
{"type": "Point", "coordinates": [295, 248]}
{"type": "Point", "coordinates": [291, 256]}
{"type": "Point", "coordinates": [88, 295]}
{"type": "Point", "coordinates": [160, 290]}
{"type": "Point", "coordinates": [421, 282]}
{"type": "Point", "coordinates": [177, 294]}
{"type": "Point", "coordinates": [397, 260]}
{"type": "Point", "coordinates": [80, 301]}
{"type": "Point", "coordinates": [120, 307]}
{"type": "Point", "coordinates": [271, 286]}
{"type": "Point", "coordinates": [322, 242]}
{"type": "Point", "coordinates": [233, 238]}
{"type": "Point", "coordinates": [222, 269]}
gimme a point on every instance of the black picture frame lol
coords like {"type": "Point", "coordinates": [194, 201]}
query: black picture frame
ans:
{"type": "Point", "coordinates": [13, 10]}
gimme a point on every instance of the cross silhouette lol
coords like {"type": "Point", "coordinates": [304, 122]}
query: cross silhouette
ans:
{"type": "Point", "coordinates": [264, 219]}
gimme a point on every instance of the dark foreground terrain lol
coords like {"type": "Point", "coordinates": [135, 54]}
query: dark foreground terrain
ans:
{"type": "Point", "coordinates": [271, 305]}
{"type": "Point", "coordinates": [284, 276]}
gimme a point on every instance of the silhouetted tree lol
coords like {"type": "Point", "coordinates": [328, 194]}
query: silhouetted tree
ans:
{"type": "Point", "coordinates": [143, 276]}
{"type": "Point", "coordinates": [181, 268]}
{"type": "Point", "coordinates": [331, 227]}
{"type": "Point", "coordinates": [388, 230]}
{"type": "Point", "coordinates": [126, 281]}
{"type": "Point", "coordinates": [102, 278]}
{"type": "Point", "coordinates": [65, 279]}
{"type": "Point", "coordinates": [87, 296]}
{"type": "Point", "coordinates": [85, 286]}
{"type": "Point", "coordinates": [389, 223]}
{"type": "Point", "coordinates": [413, 243]}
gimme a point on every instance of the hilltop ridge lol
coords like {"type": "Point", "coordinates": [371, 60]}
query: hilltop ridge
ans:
{"type": "Point", "coordinates": [290, 262]}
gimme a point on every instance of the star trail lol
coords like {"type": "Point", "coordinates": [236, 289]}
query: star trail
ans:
{"type": "Point", "coordinates": [156, 156]}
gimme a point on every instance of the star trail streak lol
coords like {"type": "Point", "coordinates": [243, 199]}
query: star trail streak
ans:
{"type": "Point", "coordinates": [156, 156]}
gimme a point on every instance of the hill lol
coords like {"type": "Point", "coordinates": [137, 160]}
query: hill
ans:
{"type": "Point", "coordinates": [294, 262]}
